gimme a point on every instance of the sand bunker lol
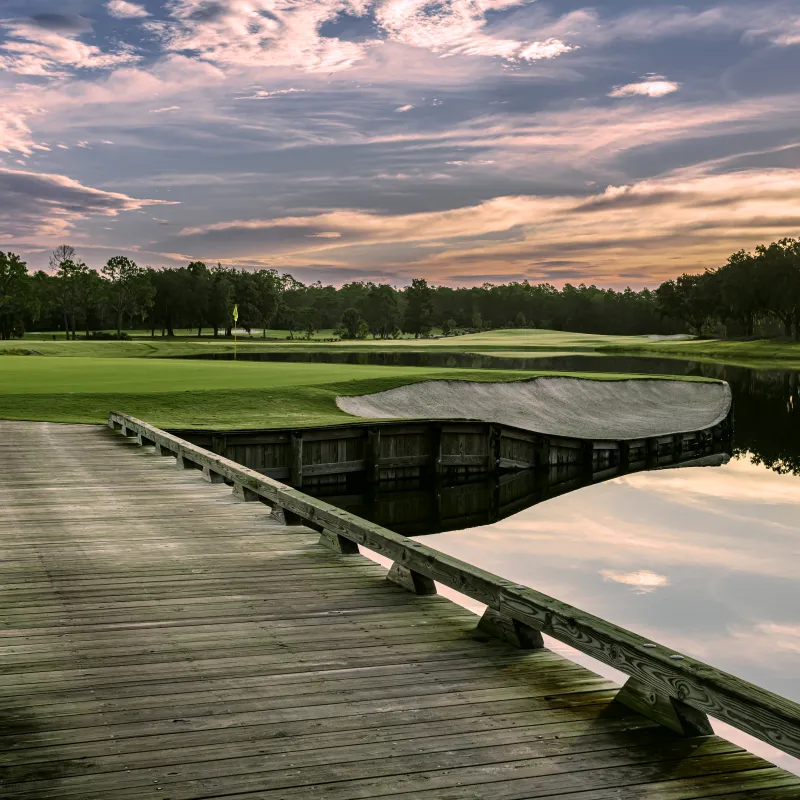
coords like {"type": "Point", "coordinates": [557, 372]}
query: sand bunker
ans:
{"type": "Point", "coordinates": [589, 409]}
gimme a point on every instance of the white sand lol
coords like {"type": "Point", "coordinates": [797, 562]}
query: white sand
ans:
{"type": "Point", "coordinates": [625, 409]}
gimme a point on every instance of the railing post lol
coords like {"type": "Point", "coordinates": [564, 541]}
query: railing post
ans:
{"type": "Point", "coordinates": [163, 451]}
{"type": "Point", "coordinates": [339, 544]}
{"type": "Point", "coordinates": [413, 581]}
{"type": "Point", "coordinates": [667, 711]}
{"type": "Point", "coordinates": [501, 626]}
{"type": "Point", "coordinates": [285, 517]}
{"type": "Point", "coordinates": [211, 476]}
{"type": "Point", "coordinates": [244, 494]}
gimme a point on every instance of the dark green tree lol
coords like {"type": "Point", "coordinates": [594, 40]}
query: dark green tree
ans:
{"type": "Point", "coordinates": [419, 308]}
{"type": "Point", "coordinates": [14, 295]}
{"type": "Point", "coordinates": [351, 319]}
{"type": "Point", "coordinates": [128, 289]}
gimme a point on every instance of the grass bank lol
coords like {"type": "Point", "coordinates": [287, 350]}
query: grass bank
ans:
{"type": "Point", "coordinates": [756, 354]}
{"type": "Point", "coordinates": [205, 394]}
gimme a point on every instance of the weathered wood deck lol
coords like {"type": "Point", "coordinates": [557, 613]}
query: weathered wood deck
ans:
{"type": "Point", "coordinates": [161, 639]}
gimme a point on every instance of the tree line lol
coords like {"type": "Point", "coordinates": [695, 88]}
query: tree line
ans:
{"type": "Point", "coordinates": [751, 290]}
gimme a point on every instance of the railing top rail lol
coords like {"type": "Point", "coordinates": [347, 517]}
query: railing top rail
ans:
{"type": "Point", "coordinates": [757, 711]}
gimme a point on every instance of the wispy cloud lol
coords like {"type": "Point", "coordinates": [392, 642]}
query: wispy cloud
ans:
{"type": "Point", "coordinates": [164, 110]}
{"type": "Point", "coordinates": [33, 49]}
{"type": "Point", "coordinates": [37, 204]}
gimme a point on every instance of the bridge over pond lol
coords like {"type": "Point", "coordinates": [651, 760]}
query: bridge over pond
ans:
{"type": "Point", "coordinates": [161, 637]}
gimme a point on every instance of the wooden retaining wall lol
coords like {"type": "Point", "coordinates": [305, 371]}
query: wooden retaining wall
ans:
{"type": "Point", "coordinates": [387, 451]}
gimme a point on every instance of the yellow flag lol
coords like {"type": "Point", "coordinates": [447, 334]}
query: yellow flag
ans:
{"type": "Point", "coordinates": [236, 313]}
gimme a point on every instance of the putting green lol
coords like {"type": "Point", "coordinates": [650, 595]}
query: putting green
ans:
{"type": "Point", "coordinates": [204, 394]}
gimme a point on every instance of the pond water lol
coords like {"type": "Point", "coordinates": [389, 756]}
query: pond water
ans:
{"type": "Point", "coordinates": [705, 560]}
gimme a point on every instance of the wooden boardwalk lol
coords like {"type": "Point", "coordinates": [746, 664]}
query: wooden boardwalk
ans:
{"type": "Point", "coordinates": [161, 639]}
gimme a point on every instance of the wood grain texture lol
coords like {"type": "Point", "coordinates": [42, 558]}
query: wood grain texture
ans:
{"type": "Point", "coordinates": [159, 638]}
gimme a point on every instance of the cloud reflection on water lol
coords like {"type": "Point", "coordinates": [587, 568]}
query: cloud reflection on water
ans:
{"type": "Point", "coordinates": [703, 560]}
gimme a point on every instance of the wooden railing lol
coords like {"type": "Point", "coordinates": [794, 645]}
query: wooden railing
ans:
{"type": "Point", "coordinates": [674, 689]}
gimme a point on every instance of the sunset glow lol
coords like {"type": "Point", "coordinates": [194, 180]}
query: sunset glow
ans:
{"type": "Point", "coordinates": [465, 141]}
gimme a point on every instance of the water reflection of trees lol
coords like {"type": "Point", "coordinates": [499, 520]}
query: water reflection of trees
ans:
{"type": "Point", "coordinates": [767, 419]}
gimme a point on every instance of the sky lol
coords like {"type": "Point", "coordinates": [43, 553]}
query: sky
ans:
{"type": "Point", "coordinates": [620, 143]}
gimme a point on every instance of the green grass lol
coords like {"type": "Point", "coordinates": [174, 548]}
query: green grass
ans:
{"type": "Point", "coordinates": [516, 342]}
{"type": "Point", "coordinates": [205, 394]}
{"type": "Point", "coordinates": [757, 354]}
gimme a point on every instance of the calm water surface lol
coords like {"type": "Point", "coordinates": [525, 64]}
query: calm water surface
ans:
{"type": "Point", "coordinates": [705, 560]}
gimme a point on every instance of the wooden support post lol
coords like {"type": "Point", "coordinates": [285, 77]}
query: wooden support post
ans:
{"type": "Point", "coordinates": [114, 425]}
{"type": "Point", "coordinates": [296, 468]}
{"type": "Point", "coordinates": [542, 452]}
{"type": "Point", "coordinates": [211, 476]}
{"type": "Point", "coordinates": [163, 451]}
{"type": "Point", "coordinates": [183, 463]}
{"type": "Point", "coordinates": [144, 441]}
{"type": "Point", "coordinates": [128, 432]}
{"type": "Point", "coordinates": [667, 711]}
{"type": "Point", "coordinates": [652, 452]}
{"type": "Point", "coordinates": [436, 468]}
{"type": "Point", "coordinates": [286, 517]}
{"type": "Point", "coordinates": [677, 446]}
{"type": "Point", "coordinates": [412, 581]}
{"type": "Point", "coordinates": [337, 543]}
{"type": "Point", "coordinates": [244, 494]}
{"type": "Point", "coordinates": [495, 451]}
{"type": "Point", "coordinates": [373, 455]}
{"type": "Point", "coordinates": [500, 626]}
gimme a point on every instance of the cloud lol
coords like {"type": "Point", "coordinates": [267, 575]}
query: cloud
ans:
{"type": "Point", "coordinates": [54, 50]}
{"type": "Point", "coordinates": [403, 109]}
{"type": "Point", "coordinates": [123, 9]}
{"type": "Point", "coordinates": [541, 50]}
{"type": "Point", "coordinates": [259, 33]}
{"type": "Point", "coordinates": [459, 27]}
{"type": "Point", "coordinates": [164, 110]}
{"type": "Point", "coordinates": [652, 86]}
{"type": "Point", "coordinates": [263, 33]}
{"type": "Point", "coordinates": [38, 204]}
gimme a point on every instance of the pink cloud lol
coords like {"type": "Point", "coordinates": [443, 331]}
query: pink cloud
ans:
{"type": "Point", "coordinates": [123, 9]}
